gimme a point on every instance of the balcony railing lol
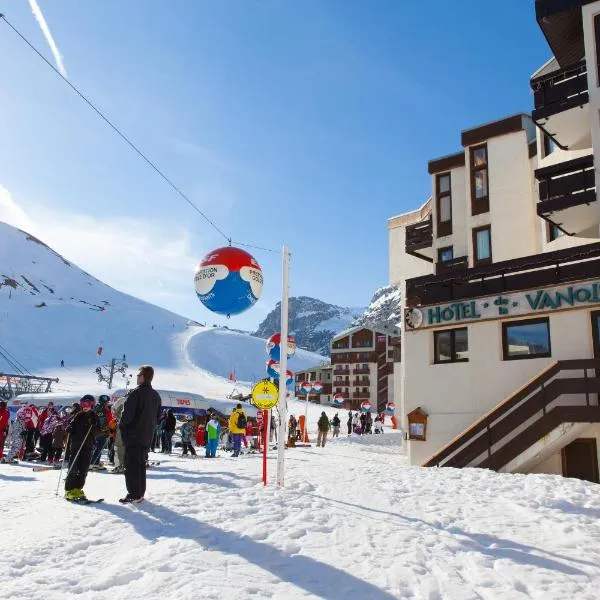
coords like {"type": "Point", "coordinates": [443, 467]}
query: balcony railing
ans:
{"type": "Point", "coordinates": [345, 371]}
{"type": "Point", "coordinates": [344, 383]}
{"type": "Point", "coordinates": [566, 184]}
{"type": "Point", "coordinates": [560, 90]}
{"type": "Point", "coordinates": [458, 263]}
{"type": "Point", "coordinates": [361, 370]}
{"type": "Point", "coordinates": [419, 235]}
{"type": "Point", "coordinates": [359, 382]}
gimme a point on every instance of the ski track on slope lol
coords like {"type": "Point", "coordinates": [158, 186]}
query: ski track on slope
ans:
{"type": "Point", "coordinates": [352, 523]}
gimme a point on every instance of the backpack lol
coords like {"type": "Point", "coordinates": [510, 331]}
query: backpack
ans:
{"type": "Point", "coordinates": [242, 421]}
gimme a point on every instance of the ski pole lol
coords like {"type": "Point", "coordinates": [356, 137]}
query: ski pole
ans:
{"type": "Point", "coordinates": [62, 463]}
{"type": "Point", "coordinates": [76, 456]}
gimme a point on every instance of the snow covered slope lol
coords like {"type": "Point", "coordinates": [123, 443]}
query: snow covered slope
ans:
{"type": "Point", "coordinates": [352, 523]}
{"type": "Point", "coordinates": [50, 310]}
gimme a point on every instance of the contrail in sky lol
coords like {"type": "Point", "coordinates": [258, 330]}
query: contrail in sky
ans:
{"type": "Point", "coordinates": [39, 17]}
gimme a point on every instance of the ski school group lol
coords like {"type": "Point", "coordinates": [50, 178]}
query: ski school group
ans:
{"type": "Point", "coordinates": [129, 429]}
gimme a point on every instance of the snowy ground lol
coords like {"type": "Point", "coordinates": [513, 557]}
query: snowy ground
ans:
{"type": "Point", "coordinates": [351, 523]}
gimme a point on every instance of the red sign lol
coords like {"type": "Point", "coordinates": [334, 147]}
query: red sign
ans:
{"type": "Point", "coordinates": [183, 402]}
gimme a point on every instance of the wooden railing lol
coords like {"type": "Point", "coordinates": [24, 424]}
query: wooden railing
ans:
{"type": "Point", "coordinates": [485, 443]}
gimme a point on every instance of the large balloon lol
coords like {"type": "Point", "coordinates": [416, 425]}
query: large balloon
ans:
{"type": "Point", "coordinates": [305, 387]}
{"type": "Point", "coordinates": [273, 369]}
{"type": "Point", "coordinates": [390, 407]}
{"type": "Point", "coordinates": [338, 398]}
{"type": "Point", "coordinates": [365, 406]}
{"type": "Point", "coordinates": [228, 281]}
{"type": "Point", "coordinates": [274, 346]}
{"type": "Point", "coordinates": [317, 387]}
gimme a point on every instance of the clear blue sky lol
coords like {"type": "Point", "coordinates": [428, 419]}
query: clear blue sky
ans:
{"type": "Point", "coordinates": [308, 122]}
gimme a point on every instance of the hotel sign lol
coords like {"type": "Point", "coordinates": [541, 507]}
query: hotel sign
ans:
{"type": "Point", "coordinates": [505, 305]}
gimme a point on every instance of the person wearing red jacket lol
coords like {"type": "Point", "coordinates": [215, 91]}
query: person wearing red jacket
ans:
{"type": "Point", "coordinates": [4, 421]}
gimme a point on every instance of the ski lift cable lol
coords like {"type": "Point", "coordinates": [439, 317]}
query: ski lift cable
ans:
{"type": "Point", "coordinates": [128, 141]}
{"type": "Point", "coordinates": [11, 364]}
{"type": "Point", "coordinates": [17, 362]}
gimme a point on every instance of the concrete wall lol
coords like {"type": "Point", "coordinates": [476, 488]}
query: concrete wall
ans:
{"type": "Point", "coordinates": [455, 395]}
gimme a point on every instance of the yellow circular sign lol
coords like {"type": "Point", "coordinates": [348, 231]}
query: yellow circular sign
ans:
{"type": "Point", "coordinates": [265, 395]}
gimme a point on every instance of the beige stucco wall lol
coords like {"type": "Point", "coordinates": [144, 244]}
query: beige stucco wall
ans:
{"type": "Point", "coordinates": [454, 395]}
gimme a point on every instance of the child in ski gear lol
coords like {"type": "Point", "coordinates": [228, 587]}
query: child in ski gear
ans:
{"type": "Point", "coordinates": [378, 426]}
{"type": "Point", "coordinates": [82, 430]}
{"type": "Point", "coordinates": [51, 420]}
{"type": "Point", "coordinates": [335, 424]}
{"type": "Point", "coordinates": [187, 432]}
{"type": "Point", "coordinates": [213, 430]}
{"type": "Point", "coordinates": [292, 428]}
{"type": "Point", "coordinates": [4, 421]}
{"type": "Point", "coordinates": [237, 428]}
{"type": "Point", "coordinates": [58, 437]}
{"type": "Point", "coordinates": [17, 435]}
{"type": "Point", "coordinates": [104, 417]}
{"type": "Point", "coordinates": [323, 425]}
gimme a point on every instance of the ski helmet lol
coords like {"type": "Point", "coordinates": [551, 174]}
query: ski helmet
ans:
{"type": "Point", "coordinates": [87, 400]}
{"type": "Point", "coordinates": [103, 398]}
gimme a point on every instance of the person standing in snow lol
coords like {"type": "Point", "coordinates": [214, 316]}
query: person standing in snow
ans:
{"type": "Point", "coordinates": [104, 417]}
{"type": "Point", "coordinates": [82, 430]}
{"type": "Point", "coordinates": [117, 410]}
{"type": "Point", "coordinates": [51, 420]}
{"type": "Point", "coordinates": [169, 430]}
{"type": "Point", "coordinates": [335, 424]}
{"type": "Point", "coordinates": [213, 430]}
{"type": "Point", "coordinates": [323, 425]}
{"type": "Point", "coordinates": [17, 432]}
{"type": "Point", "coordinates": [138, 422]}
{"type": "Point", "coordinates": [187, 433]}
{"type": "Point", "coordinates": [349, 423]}
{"type": "Point", "coordinates": [378, 426]}
{"type": "Point", "coordinates": [58, 437]}
{"type": "Point", "coordinates": [237, 428]}
{"type": "Point", "coordinates": [4, 422]}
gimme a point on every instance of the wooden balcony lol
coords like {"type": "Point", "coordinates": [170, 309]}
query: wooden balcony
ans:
{"type": "Point", "coordinates": [566, 185]}
{"type": "Point", "coordinates": [344, 383]}
{"type": "Point", "coordinates": [456, 264]}
{"type": "Point", "coordinates": [361, 370]}
{"type": "Point", "coordinates": [419, 239]}
{"type": "Point", "coordinates": [361, 382]}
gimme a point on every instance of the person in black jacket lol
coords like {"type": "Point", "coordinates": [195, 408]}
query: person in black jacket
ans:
{"type": "Point", "coordinates": [82, 430]}
{"type": "Point", "coordinates": [169, 430]}
{"type": "Point", "coordinates": [137, 425]}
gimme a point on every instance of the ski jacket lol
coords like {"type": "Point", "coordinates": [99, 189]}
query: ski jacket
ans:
{"type": "Point", "coordinates": [233, 420]}
{"type": "Point", "coordinates": [213, 428]}
{"type": "Point", "coordinates": [50, 423]}
{"type": "Point", "coordinates": [4, 419]}
{"type": "Point", "coordinates": [104, 418]}
{"type": "Point", "coordinates": [26, 415]}
{"type": "Point", "coordinates": [170, 422]}
{"type": "Point", "coordinates": [349, 419]}
{"type": "Point", "coordinates": [43, 416]}
{"type": "Point", "coordinates": [187, 431]}
{"type": "Point", "coordinates": [84, 422]}
{"type": "Point", "coordinates": [323, 423]}
{"type": "Point", "coordinates": [335, 421]}
{"type": "Point", "coordinates": [140, 415]}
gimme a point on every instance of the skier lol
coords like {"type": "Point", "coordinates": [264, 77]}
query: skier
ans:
{"type": "Point", "coordinates": [62, 363]}
{"type": "Point", "coordinates": [82, 431]}
{"type": "Point", "coordinates": [335, 424]}
{"type": "Point", "coordinates": [378, 426]}
{"type": "Point", "coordinates": [323, 425]}
{"type": "Point", "coordinates": [58, 437]}
{"type": "Point", "coordinates": [169, 430]}
{"type": "Point", "coordinates": [213, 429]}
{"type": "Point", "coordinates": [4, 422]}
{"type": "Point", "coordinates": [51, 420]}
{"type": "Point", "coordinates": [17, 436]}
{"type": "Point", "coordinates": [237, 427]}
{"type": "Point", "coordinates": [187, 432]}
{"type": "Point", "coordinates": [104, 417]}
{"type": "Point", "coordinates": [349, 423]}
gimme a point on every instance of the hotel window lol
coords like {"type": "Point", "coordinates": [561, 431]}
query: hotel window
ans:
{"type": "Point", "coordinates": [549, 145]}
{"type": "Point", "coordinates": [445, 254]}
{"type": "Point", "coordinates": [451, 346]}
{"type": "Point", "coordinates": [526, 339]}
{"type": "Point", "coordinates": [554, 232]}
{"type": "Point", "coordinates": [443, 205]}
{"type": "Point", "coordinates": [480, 202]}
{"type": "Point", "coordinates": [482, 245]}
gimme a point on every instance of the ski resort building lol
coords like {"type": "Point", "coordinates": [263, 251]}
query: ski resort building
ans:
{"type": "Point", "coordinates": [501, 345]}
{"type": "Point", "coordinates": [363, 362]}
{"type": "Point", "coordinates": [320, 373]}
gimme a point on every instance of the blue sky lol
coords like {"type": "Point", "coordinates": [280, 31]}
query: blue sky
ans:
{"type": "Point", "coordinates": [307, 122]}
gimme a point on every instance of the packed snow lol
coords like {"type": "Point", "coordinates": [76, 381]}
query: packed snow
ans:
{"type": "Point", "coordinates": [351, 523]}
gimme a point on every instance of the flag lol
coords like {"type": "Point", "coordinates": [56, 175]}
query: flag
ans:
{"type": "Point", "coordinates": [232, 375]}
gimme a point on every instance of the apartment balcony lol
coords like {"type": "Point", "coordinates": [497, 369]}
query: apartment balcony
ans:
{"type": "Point", "coordinates": [344, 383]}
{"type": "Point", "coordinates": [419, 239]}
{"type": "Point", "coordinates": [561, 104]}
{"type": "Point", "coordinates": [361, 396]}
{"type": "Point", "coordinates": [361, 371]}
{"type": "Point", "coordinates": [567, 194]}
{"type": "Point", "coordinates": [361, 382]}
{"type": "Point", "coordinates": [345, 372]}
{"type": "Point", "coordinates": [456, 264]}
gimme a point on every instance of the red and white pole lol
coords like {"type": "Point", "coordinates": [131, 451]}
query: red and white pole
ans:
{"type": "Point", "coordinates": [266, 426]}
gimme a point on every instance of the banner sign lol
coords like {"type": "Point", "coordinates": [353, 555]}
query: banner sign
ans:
{"type": "Point", "coordinates": [505, 305]}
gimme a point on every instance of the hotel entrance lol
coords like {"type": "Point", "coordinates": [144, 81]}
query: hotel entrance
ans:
{"type": "Point", "coordinates": [580, 460]}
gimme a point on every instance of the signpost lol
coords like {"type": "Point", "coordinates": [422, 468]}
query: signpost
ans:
{"type": "Point", "coordinates": [265, 396]}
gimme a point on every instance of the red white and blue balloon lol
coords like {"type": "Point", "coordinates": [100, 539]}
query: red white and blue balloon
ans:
{"type": "Point", "coordinates": [273, 368]}
{"type": "Point", "coordinates": [365, 406]}
{"type": "Point", "coordinates": [390, 407]}
{"type": "Point", "coordinates": [289, 377]}
{"type": "Point", "coordinates": [317, 387]}
{"type": "Point", "coordinates": [305, 387]}
{"type": "Point", "coordinates": [338, 398]}
{"type": "Point", "coordinates": [228, 281]}
{"type": "Point", "coordinates": [274, 346]}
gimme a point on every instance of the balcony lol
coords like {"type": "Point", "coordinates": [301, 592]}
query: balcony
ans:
{"type": "Point", "coordinates": [566, 191]}
{"type": "Point", "coordinates": [419, 239]}
{"type": "Point", "coordinates": [344, 383]}
{"type": "Point", "coordinates": [456, 264]}
{"type": "Point", "coordinates": [359, 382]}
{"type": "Point", "coordinates": [341, 371]}
{"type": "Point", "coordinates": [361, 370]}
{"type": "Point", "coordinates": [559, 97]}
{"type": "Point", "coordinates": [528, 272]}
{"type": "Point", "coordinates": [361, 396]}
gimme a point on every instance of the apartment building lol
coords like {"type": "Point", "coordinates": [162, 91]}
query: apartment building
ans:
{"type": "Point", "coordinates": [501, 345]}
{"type": "Point", "coordinates": [320, 373]}
{"type": "Point", "coordinates": [363, 362]}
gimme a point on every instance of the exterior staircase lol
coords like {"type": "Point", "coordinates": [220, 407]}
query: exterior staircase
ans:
{"type": "Point", "coordinates": [531, 424]}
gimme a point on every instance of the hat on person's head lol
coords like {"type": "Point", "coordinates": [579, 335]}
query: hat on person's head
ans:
{"type": "Point", "coordinates": [103, 398]}
{"type": "Point", "coordinates": [2, 404]}
{"type": "Point", "coordinates": [147, 372]}
{"type": "Point", "coordinates": [50, 405]}
{"type": "Point", "coordinates": [239, 405]}
{"type": "Point", "coordinates": [87, 400]}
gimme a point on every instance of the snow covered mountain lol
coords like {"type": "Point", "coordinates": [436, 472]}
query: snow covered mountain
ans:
{"type": "Point", "coordinates": [384, 311]}
{"type": "Point", "coordinates": [312, 322]}
{"type": "Point", "coordinates": [51, 310]}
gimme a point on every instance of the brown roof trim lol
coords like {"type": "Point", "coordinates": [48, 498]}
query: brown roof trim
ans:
{"type": "Point", "coordinates": [532, 149]}
{"type": "Point", "coordinates": [445, 163]}
{"type": "Point", "coordinates": [484, 132]}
